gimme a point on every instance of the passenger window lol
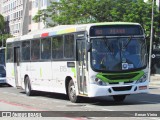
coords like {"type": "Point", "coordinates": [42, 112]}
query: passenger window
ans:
{"type": "Point", "coordinates": [26, 50]}
{"type": "Point", "coordinates": [35, 49]}
{"type": "Point", "coordinates": [46, 48]}
{"type": "Point", "coordinates": [57, 47]}
{"type": "Point", "coordinates": [9, 53]}
{"type": "Point", "coordinates": [69, 46]}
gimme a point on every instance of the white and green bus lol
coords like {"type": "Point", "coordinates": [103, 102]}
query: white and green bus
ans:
{"type": "Point", "coordinates": [89, 60]}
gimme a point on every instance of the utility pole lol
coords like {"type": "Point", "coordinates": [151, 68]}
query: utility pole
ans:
{"type": "Point", "coordinates": [39, 7]}
{"type": "Point", "coordinates": [151, 40]}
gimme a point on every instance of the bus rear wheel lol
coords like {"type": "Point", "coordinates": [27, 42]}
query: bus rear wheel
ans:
{"type": "Point", "coordinates": [72, 92]}
{"type": "Point", "coordinates": [28, 90]}
{"type": "Point", "coordinates": [119, 98]}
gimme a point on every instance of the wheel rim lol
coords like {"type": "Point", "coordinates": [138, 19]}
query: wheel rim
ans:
{"type": "Point", "coordinates": [72, 92]}
{"type": "Point", "coordinates": [27, 87]}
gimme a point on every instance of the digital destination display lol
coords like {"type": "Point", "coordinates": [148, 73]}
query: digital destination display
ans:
{"type": "Point", "coordinates": [113, 30]}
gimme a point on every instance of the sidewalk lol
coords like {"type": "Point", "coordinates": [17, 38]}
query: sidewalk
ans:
{"type": "Point", "coordinates": [155, 80]}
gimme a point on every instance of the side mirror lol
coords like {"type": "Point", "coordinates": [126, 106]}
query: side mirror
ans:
{"type": "Point", "coordinates": [89, 46]}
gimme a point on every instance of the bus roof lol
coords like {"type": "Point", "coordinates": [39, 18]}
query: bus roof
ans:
{"type": "Point", "coordinates": [63, 29]}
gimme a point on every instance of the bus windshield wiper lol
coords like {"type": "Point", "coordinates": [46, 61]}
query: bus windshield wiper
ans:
{"type": "Point", "coordinates": [129, 39]}
{"type": "Point", "coordinates": [105, 41]}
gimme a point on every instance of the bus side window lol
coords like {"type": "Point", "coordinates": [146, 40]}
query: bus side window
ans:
{"type": "Point", "coordinates": [26, 50]}
{"type": "Point", "coordinates": [57, 47]}
{"type": "Point", "coordinates": [9, 53]}
{"type": "Point", "coordinates": [46, 48]}
{"type": "Point", "coordinates": [69, 46]}
{"type": "Point", "coordinates": [35, 49]}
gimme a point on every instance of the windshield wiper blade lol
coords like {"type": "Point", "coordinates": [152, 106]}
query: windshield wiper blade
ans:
{"type": "Point", "coordinates": [105, 41]}
{"type": "Point", "coordinates": [129, 39]}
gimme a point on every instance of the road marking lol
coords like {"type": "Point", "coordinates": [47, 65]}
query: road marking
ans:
{"type": "Point", "coordinates": [33, 97]}
{"type": "Point", "coordinates": [20, 105]}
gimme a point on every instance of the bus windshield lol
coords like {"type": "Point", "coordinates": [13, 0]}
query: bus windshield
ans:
{"type": "Point", "coordinates": [118, 54]}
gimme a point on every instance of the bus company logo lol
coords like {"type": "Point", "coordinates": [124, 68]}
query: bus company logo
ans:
{"type": "Point", "coordinates": [6, 114]}
{"type": "Point", "coordinates": [124, 66]}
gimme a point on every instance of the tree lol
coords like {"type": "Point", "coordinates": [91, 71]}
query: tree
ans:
{"type": "Point", "coordinates": [87, 11]}
{"type": "Point", "coordinates": [3, 35]}
{"type": "Point", "coordinates": [1, 24]}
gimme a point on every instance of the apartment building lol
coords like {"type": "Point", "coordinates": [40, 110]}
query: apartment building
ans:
{"type": "Point", "coordinates": [37, 5]}
{"type": "Point", "coordinates": [12, 10]}
{"type": "Point", "coordinates": [19, 14]}
{"type": "Point", "coordinates": [157, 3]}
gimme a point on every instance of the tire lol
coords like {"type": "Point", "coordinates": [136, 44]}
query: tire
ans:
{"type": "Point", "coordinates": [119, 98]}
{"type": "Point", "coordinates": [28, 90]}
{"type": "Point", "coordinates": [72, 92]}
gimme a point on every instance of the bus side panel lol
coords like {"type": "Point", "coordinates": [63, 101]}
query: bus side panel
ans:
{"type": "Point", "coordinates": [41, 76]}
{"type": "Point", "coordinates": [60, 71]}
{"type": "Point", "coordinates": [25, 71]}
{"type": "Point", "coordinates": [10, 74]}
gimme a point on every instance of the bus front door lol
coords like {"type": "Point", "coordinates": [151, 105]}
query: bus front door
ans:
{"type": "Point", "coordinates": [81, 65]}
{"type": "Point", "coordinates": [17, 66]}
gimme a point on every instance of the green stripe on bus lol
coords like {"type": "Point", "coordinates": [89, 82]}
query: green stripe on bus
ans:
{"type": "Point", "coordinates": [12, 72]}
{"type": "Point", "coordinates": [118, 76]}
{"type": "Point", "coordinates": [74, 71]}
{"type": "Point", "coordinates": [40, 72]}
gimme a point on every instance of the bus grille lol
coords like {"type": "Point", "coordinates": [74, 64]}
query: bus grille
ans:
{"type": "Point", "coordinates": [122, 76]}
{"type": "Point", "coordinates": [122, 88]}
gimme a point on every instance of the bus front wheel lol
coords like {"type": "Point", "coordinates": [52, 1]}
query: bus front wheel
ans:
{"type": "Point", "coordinates": [28, 90]}
{"type": "Point", "coordinates": [119, 98]}
{"type": "Point", "coordinates": [72, 92]}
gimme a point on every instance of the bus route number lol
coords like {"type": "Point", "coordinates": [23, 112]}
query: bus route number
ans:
{"type": "Point", "coordinates": [63, 69]}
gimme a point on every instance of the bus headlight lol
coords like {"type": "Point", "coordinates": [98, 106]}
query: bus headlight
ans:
{"type": "Point", "coordinates": [98, 81]}
{"type": "Point", "coordinates": [142, 79]}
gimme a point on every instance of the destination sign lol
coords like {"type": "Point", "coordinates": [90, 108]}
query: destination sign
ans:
{"type": "Point", "coordinates": [114, 30]}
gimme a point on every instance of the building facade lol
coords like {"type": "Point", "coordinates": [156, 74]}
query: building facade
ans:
{"type": "Point", "coordinates": [157, 3]}
{"type": "Point", "coordinates": [37, 5]}
{"type": "Point", "coordinates": [18, 14]}
{"type": "Point", "coordinates": [12, 10]}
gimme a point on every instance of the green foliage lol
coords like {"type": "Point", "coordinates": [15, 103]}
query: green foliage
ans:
{"type": "Point", "coordinates": [3, 38]}
{"type": "Point", "coordinates": [89, 11]}
{"type": "Point", "coordinates": [1, 23]}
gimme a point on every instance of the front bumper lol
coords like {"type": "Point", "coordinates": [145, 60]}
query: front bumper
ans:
{"type": "Point", "coordinates": [98, 91]}
{"type": "Point", "coordinates": [3, 80]}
